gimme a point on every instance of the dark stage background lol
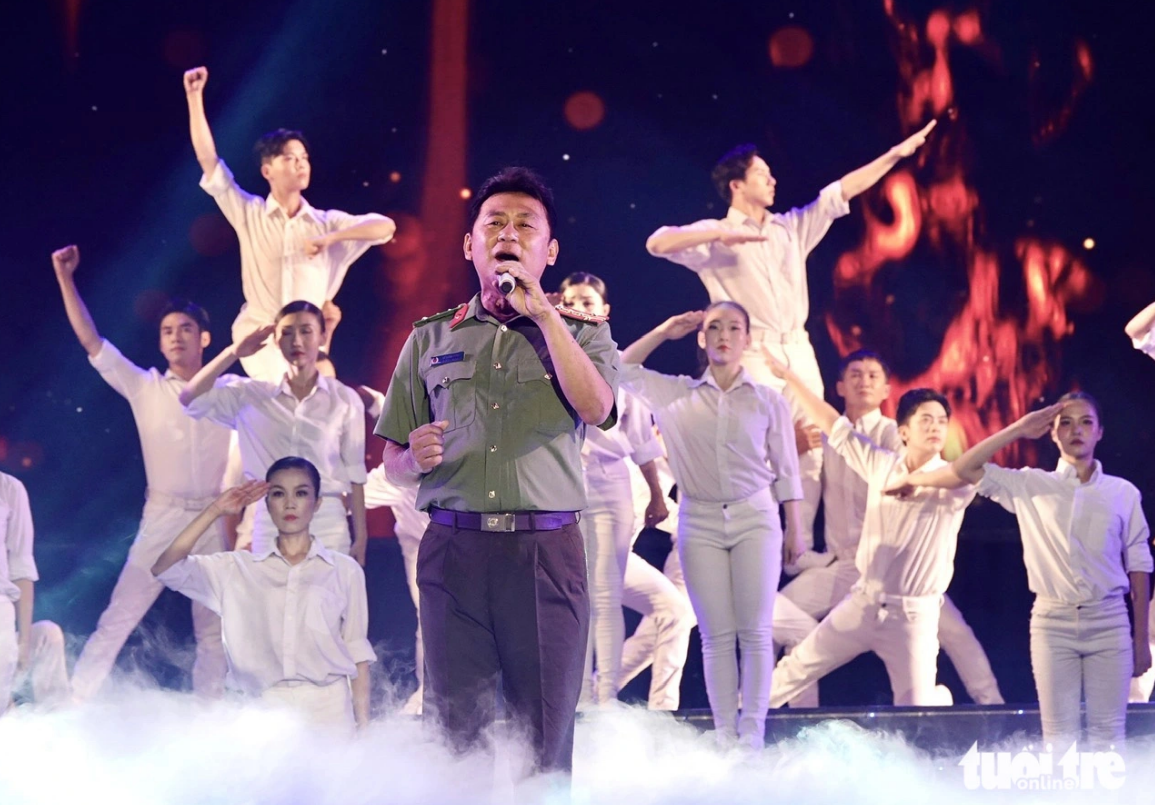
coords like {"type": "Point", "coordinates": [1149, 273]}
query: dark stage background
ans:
{"type": "Point", "coordinates": [969, 269]}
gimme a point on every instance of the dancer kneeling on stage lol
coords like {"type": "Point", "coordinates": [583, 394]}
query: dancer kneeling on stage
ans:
{"type": "Point", "coordinates": [905, 556]}
{"type": "Point", "coordinates": [1084, 545]}
{"type": "Point", "coordinates": [732, 451]}
{"type": "Point", "coordinates": [294, 616]}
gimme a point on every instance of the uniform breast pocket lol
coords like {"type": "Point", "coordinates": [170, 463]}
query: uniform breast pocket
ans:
{"type": "Point", "coordinates": [539, 400]}
{"type": "Point", "coordinates": [451, 393]}
{"type": "Point", "coordinates": [323, 610]}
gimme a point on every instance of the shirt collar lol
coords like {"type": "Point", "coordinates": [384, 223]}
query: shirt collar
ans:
{"type": "Point", "coordinates": [707, 379]}
{"type": "Point", "coordinates": [1069, 472]}
{"type": "Point", "coordinates": [739, 218]}
{"type": "Point", "coordinates": [315, 549]}
{"type": "Point", "coordinates": [868, 420]}
{"type": "Point", "coordinates": [273, 206]}
{"type": "Point", "coordinates": [322, 384]}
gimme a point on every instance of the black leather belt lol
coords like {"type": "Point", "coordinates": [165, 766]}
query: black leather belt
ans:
{"type": "Point", "coordinates": [503, 521]}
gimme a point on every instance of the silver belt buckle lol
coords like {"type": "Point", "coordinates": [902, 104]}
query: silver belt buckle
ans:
{"type": "Point", "coordinates": [504, 521]}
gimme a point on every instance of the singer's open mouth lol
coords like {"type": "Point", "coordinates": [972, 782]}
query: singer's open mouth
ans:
{"type": "Point", "coordinates": [507, 256]}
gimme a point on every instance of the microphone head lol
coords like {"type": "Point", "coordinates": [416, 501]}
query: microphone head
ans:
{"type": "Point", "coordinates": [506, 283]}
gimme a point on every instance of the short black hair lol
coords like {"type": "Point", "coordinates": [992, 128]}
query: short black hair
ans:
{"type": "Point", "coordinates": [515, 180]}
{"type": "Point", "coordinates": [908, 403]}
{"type": "Point", "coordinates": [862, 355]}
{"type": "Point", "coordinates": [1072, 396]}
{"type": "Point", "coordinates": [273, 144]}
{"type": "Point", "coordinates": [730, 304]}
{"type": "Point", "coordinates": [194, 311]}
{"type": "Point", "coordinates": [296, 463]}
{"type": "Point", "coordinates": [586, 278]}
{"type": "Point", "coordinates": [732, 166]}
{"type": "Point", "coordinates": [301, 306]}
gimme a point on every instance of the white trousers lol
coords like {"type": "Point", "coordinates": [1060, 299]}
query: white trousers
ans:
{"type": "Point", "coordinates": [410, 544]}
{"type": "Point", "coordinates": [326, 706]}
{"type": "Point", "coordinates": [46, 676]}
{"type": "Point", "coordinates": [608, 527]}
{"type": "Point", "coordinates": [1082, 652]}
{"type": "Point", "coordinates": [330, 525]}
{"type": "Point", "coordinates": [799, 357]}
{"type": "Point", "coordinates": [1142, 686]}
{"type": "Point", "coordinates": [137, 590]}
{"type": "Point", "coordinates": [902, 631]}
{"type": "Point", "coordinates": [662, 639]}
{"type": "Point", "coordinates": [732, 556]}
{"type": "Point", "coordinates": [9, 651]}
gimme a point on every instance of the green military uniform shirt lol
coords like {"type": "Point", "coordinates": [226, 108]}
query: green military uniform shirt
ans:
{"type": "Point", "coordinates": [513, 442]}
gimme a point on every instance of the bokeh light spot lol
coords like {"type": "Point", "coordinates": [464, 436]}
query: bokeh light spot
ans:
{"type": "Point", "coordinates": [148, 304]}
{"type": "Point", "coordinates": [584, 110]}
{"type": "Point", "coordinates": [1089, 243]}
{"type": "Point", "coordinates": [395, 177]}
{"type": "Point", "coordinates": [791, 46]}
{"type": "Point", "coordinates": [211, 235]}
{"type": "Point", "coordinates": [465, 193]}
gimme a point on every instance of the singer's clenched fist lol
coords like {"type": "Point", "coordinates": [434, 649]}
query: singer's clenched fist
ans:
{"type": "Point", "coordinates": [427, 446]}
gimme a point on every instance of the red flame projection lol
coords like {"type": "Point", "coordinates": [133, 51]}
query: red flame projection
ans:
{"type": "Point", "coordinates": [997, 356]}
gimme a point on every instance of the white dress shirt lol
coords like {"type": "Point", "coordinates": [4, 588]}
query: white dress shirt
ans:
{"type": "Point", "coordinates": [632, 436]}
{"type": "Point", "coordinates": [1079, 540]}
{"type": "Point", "coordinates": [16, 561]}
{"type": "Point", "coordinates": [844, 491]}
{"type": "Point", "coordinates": [327, 427]}
{"type": "Point", "coordinates": [724, 446]}
{"type": "Point", "coordinates": [183, 458]}
{"type": "Point", "coordinates": [908, 544]}
{"type": "Point", "coordinates": [307, 622]}
{"type": "Point", "coordinates": [768, 278]}
{"type": "Point", "coordinates": [274, 268]}
{"type": "Point", "coordinates": [410, 521]}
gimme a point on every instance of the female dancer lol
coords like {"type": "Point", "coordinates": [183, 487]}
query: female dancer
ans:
{"type": "Point", "coordinates": [294, 617]}
{"type": "Point", "coordinates": [732, 451]}
{"type": "Point", "coordinates": [608, 521]}
{"type": "Point", "coordinates": [305, 414]}
{"type": "Point", "coordinates": [1084, 543]}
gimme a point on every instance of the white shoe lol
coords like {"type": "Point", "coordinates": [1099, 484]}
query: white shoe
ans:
{"type": "Point", "coordinates": [942, 697]}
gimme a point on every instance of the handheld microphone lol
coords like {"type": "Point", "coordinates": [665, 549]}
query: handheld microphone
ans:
{"type": "Point", "coordinates": [506, 283]}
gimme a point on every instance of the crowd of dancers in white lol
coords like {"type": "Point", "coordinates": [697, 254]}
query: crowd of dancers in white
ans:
{"type": "Point", "coordinates": [279, 598]}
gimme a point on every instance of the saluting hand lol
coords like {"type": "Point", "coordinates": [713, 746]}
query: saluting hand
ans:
{"type": "Point", "coordinates": [234, 500]}
{"type": "Point", "coordinates": [251, 344]}
{"type": "Point", "coordinates": [427, 445]}
{"type": "Point", "coordinates": [65, 260]}
{"type": "Point", "coordinates": [1038, 423]}
{"type": "Point", "coordinates": [683, 324]}
{"type": "Point", "coordinates": [195, 79]}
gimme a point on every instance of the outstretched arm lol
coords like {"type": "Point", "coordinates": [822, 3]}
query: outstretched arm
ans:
{"type": "Point", "coordinates": [676, 238]}
{"type": "Point", "coordinates": [817, 410]}
{"type": "Point", "coordinates": [1142, 323]}
{"type": "Point", "coordinates": [861, 180]}
{"type": "Point", "coordinates": [672, 328]}
{"type": "Point", "coordinates": [203, 380]}
{"type": "Point", "coordinates": [381, 229]}
{"type": "Point", "coordinates": [65, 262]}
{"type": "Point", "coordinates": [232, 501]}
{"type": "Point", "coordinates": [202, 136]}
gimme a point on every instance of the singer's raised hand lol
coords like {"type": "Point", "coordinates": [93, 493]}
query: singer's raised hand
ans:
{"type": "Point", "coordinates": [527, 298]}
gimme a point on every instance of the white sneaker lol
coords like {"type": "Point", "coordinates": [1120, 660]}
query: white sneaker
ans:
{"type": "Point", "coordinates": [942, 697]}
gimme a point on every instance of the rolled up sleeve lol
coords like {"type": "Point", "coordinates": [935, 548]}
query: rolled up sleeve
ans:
{"type": "Point", "coordinates": [811, 223]}
{"type": "Point", "coordinates": [200, 578]}
{"type": "Point", "coordinates": [1136, 552]}
{"type": "Point", "coordinates": [118, 371]}
{"type": "Point", "coordinates": [353, 437]}
{"type": "Point", "coordinates": [782, 450]}
{"type": "Point", "coordinates": [704, 255]}
{"type": "Point", "coordinates": [1002, 485]}
{"type": "Point", "coordinates": [355, 624]}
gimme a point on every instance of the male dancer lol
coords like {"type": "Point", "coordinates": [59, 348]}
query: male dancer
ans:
{"type": "Point", "coordinates": [758, 258]}
{"type": "Point", "coordinates": [863, 383]}
{"type": "Point", "coordinates": [905, 555]}
{"type": "Point", "coordinates": [289, 249]}
{"type": "Point", "coordinates": [184, 462]}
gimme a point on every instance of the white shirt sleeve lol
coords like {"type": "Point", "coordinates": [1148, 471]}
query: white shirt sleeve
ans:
{"type": "Point", "coordinates": [1136, 553]}
{"type": "Point", "coordinates": [782, 450]}
{"type": "Point", "coordinates": [353, 435]}
{"type": "Point", "coordinates": [118, 371]}
{"type": "Point", "coordinates": [201, 577]}
{"type": "Point", "coordinates": [221, 185]}
{"type": "Point", "coordinates": [654, 389]}
{"type": "Point", "coordinates": [861, 454]}
{"type": "Point", "coordinates": [21, 563]}
{"type": "Point", "coordinates": [355, 623]}
{"type": "Point", "coordinates": [224, 401]}
{"type": "Point", "coordinates": [1002, 485]}
{"type": "Point", "coordinates": [811, 223]}
{"type": "Point", "coordinates": [638, 427]}
{"type": "Point", "coordinates": [704, 255]}
{"type": "Point", "coordinates": [344, 253]}
{"type": "Point", "coordinates": [1146, 344]}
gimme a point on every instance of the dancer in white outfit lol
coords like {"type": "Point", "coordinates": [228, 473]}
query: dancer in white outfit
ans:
{"type": "Point", "coordinates": [905, 556]}
{"type": "Point", "coordinates": [295, 616]}
{"type": "Point", "coordinates": [289, 249]}
{"type": "Point", "coordinates": [306, 414]}
{"type": "Point", "coordinates": [1085, 548]}
{"type": "Point", "coordinates": [863, 382]}
{"type": "Point", "coordinates": [184, 461]}
{"type": "Point", "coordinates": [731, 448]}
{"type": "Point", "coordinates": [1141, 331]}
{"type": "Point", "coordinates": [758, 258]}
{"type": "Point", "coordinates": [607, 522]}
{"type": "Point", "coordinates": [662, 640]}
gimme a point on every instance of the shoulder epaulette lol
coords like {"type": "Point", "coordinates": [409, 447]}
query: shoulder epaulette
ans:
{"type": "Point", "coordinates": [580, 315]}
{"type": "Point", "coordinates": [445, 314]}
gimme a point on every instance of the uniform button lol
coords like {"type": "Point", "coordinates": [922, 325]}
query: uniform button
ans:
{"type": "Point", "coordinates": [492, 494]}
{"type": "Point", "coordinates": [496, 406]}
{"type": "Point", "coordinates": [445, 380]}
{"type": "Point", "coordinates": [548, 376]}
{"type": "Point", "coordinates": [497, 365]}
{"type": "Point", "coordinates": [503, 328]}
{"type": "Point", "coordinates": [493, 448]}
